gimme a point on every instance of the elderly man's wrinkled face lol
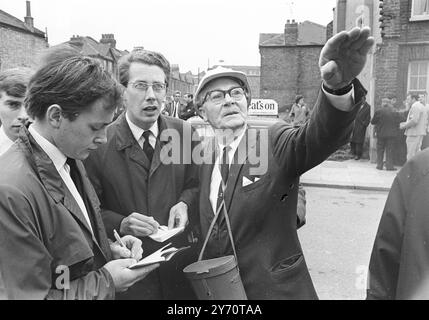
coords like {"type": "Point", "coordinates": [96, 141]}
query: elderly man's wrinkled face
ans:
{"type": "Point", "coordinates": [12, 114]}
{"type": "Point", "coordinates": [225, 105]}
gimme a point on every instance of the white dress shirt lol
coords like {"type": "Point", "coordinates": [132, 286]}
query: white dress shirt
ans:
{"type": "Point", "coordinates": [216, 174]}
{"type": "Point", "coordinates": [138, 132]}
{"type": "Point", "coordinates": [344, 102]}
{"type": "Point", "coordinates": [59, 160]}
{"type": "Point", "coordinates": [5, 142]}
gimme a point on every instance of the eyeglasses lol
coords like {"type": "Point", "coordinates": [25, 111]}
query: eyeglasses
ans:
{"type": "Point", "coordinates": [218, 96]}
{"type": "Point", "coordinates": [143, 86]}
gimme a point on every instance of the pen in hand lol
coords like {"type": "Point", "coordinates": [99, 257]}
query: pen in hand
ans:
{"type": "Point", "coordinates": [118, 238]}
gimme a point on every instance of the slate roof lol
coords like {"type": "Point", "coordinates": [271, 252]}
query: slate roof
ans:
{"type": "Point", "coordinates": [9, 20]}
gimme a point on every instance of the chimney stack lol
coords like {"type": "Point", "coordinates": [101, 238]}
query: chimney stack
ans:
{"type": "Point", "coordinates": [29, 21]}
{"type": "Point", "coordinates": [108, 38]}
{"type": "Point", "coordinates": [291, 33]}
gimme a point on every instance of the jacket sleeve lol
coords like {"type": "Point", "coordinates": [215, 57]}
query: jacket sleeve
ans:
{"type": "Point", "coordinates": [300, 149]}
{"type": "Point", "coordinates": [367, 116]}
{"type": "Point", "coordinates": [190, 191]}
{"type": "Point", "coordinates": [414, 118]}
{"type": "Point", "coordinates": [376, 118]}
{"type": "Point", "coordinates": [386, 253]}
{"type": "Point", "coordinates": [26, 263]}
{"type": "Point", "coordinates": [111, 219]}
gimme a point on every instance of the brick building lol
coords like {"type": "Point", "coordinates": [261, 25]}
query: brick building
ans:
{"type": "Point", "coordinates": [20, 42]}
{"type": "Point", "coordinates": [402, 59]}
{"type": "Point", "coordinates": [183, 82]}
{"type": "Point", "coordinates": [104, 50]}
{"type": "Point", "coordinates": [289, 63]}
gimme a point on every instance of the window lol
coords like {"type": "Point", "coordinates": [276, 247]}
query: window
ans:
{"type": "Point", "coordinates": [420, 10]}
{"type": "Point", "coordinates": [418, 75]}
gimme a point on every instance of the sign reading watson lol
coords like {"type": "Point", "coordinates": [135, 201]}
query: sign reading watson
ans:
{"type": "Point", "coordinates": [263, 107]}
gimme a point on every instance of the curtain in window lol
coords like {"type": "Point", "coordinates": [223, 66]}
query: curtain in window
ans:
{"type": "Point", "coordinates": [421, 7]}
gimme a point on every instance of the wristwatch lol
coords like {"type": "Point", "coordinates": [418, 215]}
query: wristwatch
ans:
{"type": "Point", "coordinates": [339, 92]}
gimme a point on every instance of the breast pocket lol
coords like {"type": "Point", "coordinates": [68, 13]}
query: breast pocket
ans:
{"type": "Point", "coordinates": [262, 182]}
{"type": "Point", "coordinates": [290, 267]}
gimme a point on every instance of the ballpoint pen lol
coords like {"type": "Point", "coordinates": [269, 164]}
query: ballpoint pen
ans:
{"type": "Point", "coordinates": [118, 238]}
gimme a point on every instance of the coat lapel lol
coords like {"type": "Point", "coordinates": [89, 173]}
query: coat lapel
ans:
{"type": "Point", "coordinates": [101, 239]}
{"type": "Point", "coordinates": [247, 143]}
{"type": "Point", "coordinates": [126, 140]}
{"type": "Point", "coordinates": [55, 186]}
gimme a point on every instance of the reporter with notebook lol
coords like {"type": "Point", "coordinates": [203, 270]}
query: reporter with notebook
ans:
{"type": "Point", "coordinates": [138, 190]}
{"type": "Point", "coordinates": [52, 239]}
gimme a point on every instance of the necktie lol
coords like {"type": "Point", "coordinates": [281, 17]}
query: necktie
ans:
{"type": "Point", "coordinates": [147, 148]}
{"type": "Point", "coordinates": [224, 171]}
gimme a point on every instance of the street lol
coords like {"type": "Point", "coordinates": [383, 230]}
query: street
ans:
{"type": "Point", "coordinates": [338, 237]}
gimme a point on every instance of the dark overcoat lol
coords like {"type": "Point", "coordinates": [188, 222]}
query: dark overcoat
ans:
{"type": "Point", "coordinates": [127, 182]}
{"type": "Point", "coordinates": [362, 120]}
{"type": "Point", "coordinates": [263, 213]}
{"type": "Point", "coordinates": [43, 231]}
{"type": "Point", "coordinates": [399, 265]}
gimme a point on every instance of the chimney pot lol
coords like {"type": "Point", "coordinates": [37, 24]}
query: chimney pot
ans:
{"type": "Point", "coordinates": [29, 21]}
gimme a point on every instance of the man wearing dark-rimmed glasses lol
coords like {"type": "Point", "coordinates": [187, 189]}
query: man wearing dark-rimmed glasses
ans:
{"type": "Point", "coordinates": [260, 198]}
{"type": "Point", "coordinates": [138, 190]}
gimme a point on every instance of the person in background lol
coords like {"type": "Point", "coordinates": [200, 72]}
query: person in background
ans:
{"type": "Point", "coordinates": [13, 84]}
{"type": "Point", "coordinates": [299, 112]}
{"type": "Point", "coordinates": [386, 124]}
{"type": "Point", "coordinates": [415, 126]}
{"type": "Point", "coordinates": [362, 121]}
{"type": "Point", "coordinates": [189, 110]}
{"type": "Point", "coordinates": [174, 108]}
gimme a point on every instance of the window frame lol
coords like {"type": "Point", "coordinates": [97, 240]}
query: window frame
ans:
{"type": "Point", "coordinates": [409, 77]}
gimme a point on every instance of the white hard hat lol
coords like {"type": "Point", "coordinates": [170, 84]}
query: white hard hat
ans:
{"type": "Point", "coordinates": [221, 72]}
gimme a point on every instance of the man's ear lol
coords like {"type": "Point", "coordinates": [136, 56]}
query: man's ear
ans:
{"type": "Point", "coordinates": [202, 113]}
{"type": "Point", "coordinates": [54, 115]}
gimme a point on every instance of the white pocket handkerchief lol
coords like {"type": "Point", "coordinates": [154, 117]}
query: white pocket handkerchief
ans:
{"type": "Point", "coordinates": [246, 182]}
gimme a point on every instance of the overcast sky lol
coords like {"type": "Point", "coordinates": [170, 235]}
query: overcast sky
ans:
{"type": "Point", "coordinates": [191, 33]}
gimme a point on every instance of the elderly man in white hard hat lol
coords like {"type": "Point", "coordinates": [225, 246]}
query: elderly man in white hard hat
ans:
{"type": "Point", "coordinates": [259, 199]}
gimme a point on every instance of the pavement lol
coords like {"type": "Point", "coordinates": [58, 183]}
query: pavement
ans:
{"type": "Point", "coordinates": [349, 174]}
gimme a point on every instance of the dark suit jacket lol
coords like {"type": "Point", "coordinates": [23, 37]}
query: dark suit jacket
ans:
{"type": "Point", "coordinates": [263, 214]}
{"type": "Point", "coordinates": [126, 182]}
{"type": "Point", "coordinates": [399, 265]}
{"type": "Point", "coordinates": [169, 109]}
{"type": "Point", "coordinates": [386, 122]}
{"type": "Point", "coordinates": [42, 228]}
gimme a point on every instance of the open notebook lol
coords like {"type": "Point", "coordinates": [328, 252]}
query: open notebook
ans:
{"type": "Point", "coordinates": [161, 255]}
{"type": "Point", "coordinates": [164, 234]}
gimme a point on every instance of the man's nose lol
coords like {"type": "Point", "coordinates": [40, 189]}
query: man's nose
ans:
{"type": "Point", "coordinates": [102, 137]}
{"type": "Point", "coordinates": [228, 99]}
{"type": "Point", "coordinates": [22, 116]}
{"type": "Point", "coordinates": [150, 94]}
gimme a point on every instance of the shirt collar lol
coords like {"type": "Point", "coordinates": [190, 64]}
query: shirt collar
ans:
{"type": "Point", "coordinates": [57, 157]}
{"type": "Point", "coordinates": [5, 142]}
{"type": "Point", "coordinates": [138, 132]}
{"type": "Point", "coordinates": [233, 145]}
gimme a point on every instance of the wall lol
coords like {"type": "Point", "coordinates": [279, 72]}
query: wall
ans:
{"type": "Point", "coordinates": [19, 48]}
{"type": "Point", "coordinates": [288, 71]}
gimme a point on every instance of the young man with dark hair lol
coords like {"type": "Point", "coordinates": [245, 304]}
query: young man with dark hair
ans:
{"type": "Point", "coordinates": [53, 241]}
{"type": "Point", "coordinates": [13, 84]}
